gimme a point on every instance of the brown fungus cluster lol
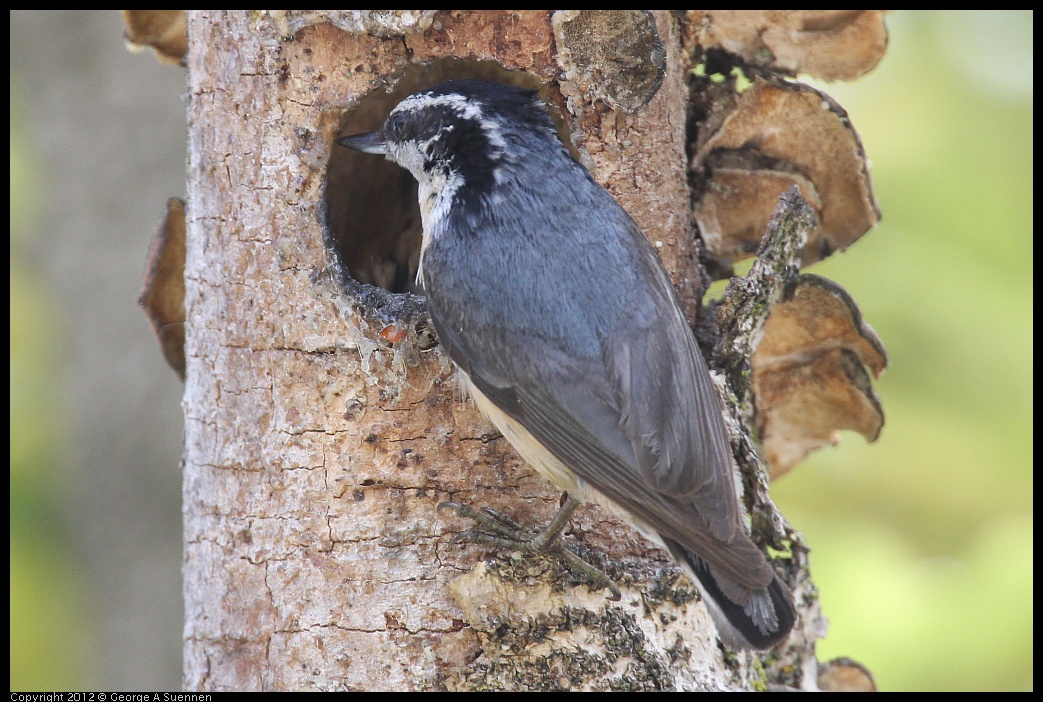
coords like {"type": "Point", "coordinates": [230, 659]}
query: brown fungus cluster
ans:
{"type": "Point", "coordinates": [754, 135]}
{"type": "Point", "coordinates": [845, 675]}
{"type": "Point", "coordinates": [826, 44]}
{"type": "Point", "coordinates": [163, 293]}
{"type": "Point", "coordinates": [811, 373]}
{"type": "Point", "coordinates": [777, 134]}
{"type": "Point", "coordinates": [163, 31]}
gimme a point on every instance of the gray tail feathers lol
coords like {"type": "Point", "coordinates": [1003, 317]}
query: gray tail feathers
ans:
{"type": "Point", "coordinates": [762, 621]}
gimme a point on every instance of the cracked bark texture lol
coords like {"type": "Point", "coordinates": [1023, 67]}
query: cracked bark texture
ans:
{"type": "Point", "coordinates": [316, 450]}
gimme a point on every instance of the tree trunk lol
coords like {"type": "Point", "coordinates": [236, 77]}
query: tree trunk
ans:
{"type": "Point", "coordinates": [322, 427]}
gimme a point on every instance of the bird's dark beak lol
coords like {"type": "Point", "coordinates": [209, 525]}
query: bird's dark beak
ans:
{"type": "Point", "coordinates": [371, 143]}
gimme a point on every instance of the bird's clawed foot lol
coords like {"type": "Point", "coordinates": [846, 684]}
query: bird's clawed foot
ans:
{"type": "Point", "coordinates": [498, 529]}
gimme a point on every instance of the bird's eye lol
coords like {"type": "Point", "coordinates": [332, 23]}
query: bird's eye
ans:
{"type": "Point", "coordinates": [396, 125]}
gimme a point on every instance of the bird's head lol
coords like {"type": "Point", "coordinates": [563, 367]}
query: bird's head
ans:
{"type": "Point", "coordinates": [462, 133]}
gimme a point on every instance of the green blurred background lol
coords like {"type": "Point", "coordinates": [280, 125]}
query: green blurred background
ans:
{"type": "Point", "coordinates": [922, 542]}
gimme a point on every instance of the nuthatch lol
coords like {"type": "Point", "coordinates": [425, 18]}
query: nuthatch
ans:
{"type": "Point", "coordinates": [569, 335]}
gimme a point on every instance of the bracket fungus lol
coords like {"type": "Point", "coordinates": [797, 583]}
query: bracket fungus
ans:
{"type": "Point", "coordinates": [163, 31]}
{"type": "Point", "coordinates": [163, 292]}
{"type": "Point", "coordinates": [757, 144]}
{"type": "Point", "coordinates": [845, 675]}
{"type": "Point", "coordinates": [810, 376]}
{"type": "Point", "coordinates": [827, 44]}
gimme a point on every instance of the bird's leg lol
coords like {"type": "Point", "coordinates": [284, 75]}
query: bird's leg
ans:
{"type": "Point", "coordinates": [501, 530]}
